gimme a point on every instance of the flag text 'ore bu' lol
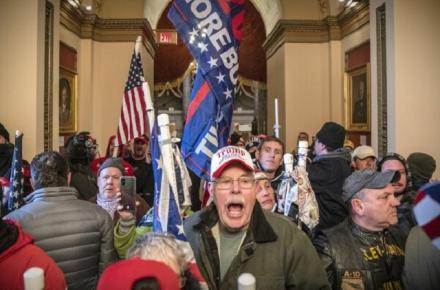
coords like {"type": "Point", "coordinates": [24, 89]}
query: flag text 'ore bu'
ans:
{"type": "Point", "coordinates": [212, 32]}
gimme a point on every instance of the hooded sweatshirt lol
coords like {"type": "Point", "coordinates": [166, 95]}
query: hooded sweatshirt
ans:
{"type": "Point", "coordinates": [327, 174]}
{"type": "Point", "coordinates": [17, 254]}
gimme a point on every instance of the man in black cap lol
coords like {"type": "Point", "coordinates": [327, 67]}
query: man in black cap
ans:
{"type": "Point", "coordinates": [365, 251]}
{"type": "Point", "coordinates": [421, 166]}
{"type": "Point", "coordinates": [327, 173]}
{"type": "Point", "coordinates": [6, 152]}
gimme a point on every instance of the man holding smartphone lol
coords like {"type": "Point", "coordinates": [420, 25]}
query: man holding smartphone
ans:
{"type": "Point", "coordinates": [109, 196]}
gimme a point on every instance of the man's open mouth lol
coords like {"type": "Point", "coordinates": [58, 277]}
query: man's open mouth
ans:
{"type": "Point", "coordinates": [235, 208]}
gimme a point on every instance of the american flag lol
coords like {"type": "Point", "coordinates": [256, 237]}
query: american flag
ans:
{"type": "Point", "coordinates": [15, 198]}
{"type": "Point", "coordinates": [427, 211]}
{"type": "Point", "coordinates": [133, 120]}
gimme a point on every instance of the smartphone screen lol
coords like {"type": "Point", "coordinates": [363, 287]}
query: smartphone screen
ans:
{"type": "Point", "coordinates": [128, 193]}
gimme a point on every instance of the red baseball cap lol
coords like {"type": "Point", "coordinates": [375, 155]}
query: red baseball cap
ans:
{"type": "Point", "coordinates": [124, 274]}
{"type": "Point", "coordinates": [227, 156]}
{"type": "Point", "coordinates": [144, 139]}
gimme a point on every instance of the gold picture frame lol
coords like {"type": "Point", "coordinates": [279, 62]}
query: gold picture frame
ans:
{"type": "Point", "coordinates": [358, 99]}
{"type": "Point", "coordinates": [67, 97]}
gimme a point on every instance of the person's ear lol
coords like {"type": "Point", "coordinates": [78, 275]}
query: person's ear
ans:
{"type": "Point", "coordinates": [257, 154]}
{"type": "Point", "coordinates": [358, 206]}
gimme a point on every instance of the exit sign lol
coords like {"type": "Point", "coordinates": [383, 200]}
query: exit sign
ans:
{"type": "Point", "coordinates": [166, 37]}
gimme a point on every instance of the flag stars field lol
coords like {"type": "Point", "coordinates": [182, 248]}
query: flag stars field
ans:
{"type": "Point", "coordinates": [220, 78]}
{"type": "Point", "coordinates": [203, 47]}
{"type": "Point", "coordinates": [228, 93]}
{"type": "Point", "coordinates": [212, 61]}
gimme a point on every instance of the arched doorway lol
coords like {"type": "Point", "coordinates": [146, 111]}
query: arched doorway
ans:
{"type": "Point", "coordinates": [174, 71]}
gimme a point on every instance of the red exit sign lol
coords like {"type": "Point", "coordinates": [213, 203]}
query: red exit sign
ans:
{"type": "Point", "coordinates": [166, 37]}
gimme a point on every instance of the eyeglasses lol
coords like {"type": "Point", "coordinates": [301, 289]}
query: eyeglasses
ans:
{"type": "Point", "coordinates": [244, 182]}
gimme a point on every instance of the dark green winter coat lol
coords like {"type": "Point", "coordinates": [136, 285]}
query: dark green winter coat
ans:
{"type": "Point", "coordinates": [279, 255]}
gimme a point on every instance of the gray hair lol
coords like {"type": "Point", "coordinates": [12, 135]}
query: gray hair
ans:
{"type": "Point", "coordinates": [159, 247]}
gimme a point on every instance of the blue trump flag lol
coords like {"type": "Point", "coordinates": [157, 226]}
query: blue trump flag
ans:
{"type": "Point", "coordinates": [211, 31]}
{"type": "Point", "coordinates": [166, 212]}
{"type": "Point", "coordinates": [15, 198]}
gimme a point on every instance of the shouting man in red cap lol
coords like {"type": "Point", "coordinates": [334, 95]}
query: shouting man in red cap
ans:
{"type": "Point", "coordinates": [233, 235]}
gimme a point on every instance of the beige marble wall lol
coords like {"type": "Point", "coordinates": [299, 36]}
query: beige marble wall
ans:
{"type": "Point", "coordinates": [102, 73]}
{"type": "Point", "coordinates": [276, 88]}
{"type": "Point", "coordinates": [122, 9]}
{"type": "Point", "coordinates": [307, 89]}
{"type": "Point", "coordinates": [413, 67]}
{"type": "Point", "coordinates": [22, 73]}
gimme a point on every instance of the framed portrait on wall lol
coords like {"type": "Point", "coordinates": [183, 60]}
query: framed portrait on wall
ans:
{"type": "Point", "coordinates": [67, 101]}
{"type": "Point", "coordinates": [358, 99]}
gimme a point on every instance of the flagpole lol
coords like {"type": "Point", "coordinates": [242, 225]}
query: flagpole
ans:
{"type": "Point", "coordinates": [166, 148]}
{"type": "Point", "coordinates": [137, 46]}
{"type": "Point", "coordinates": [149, 104]}
{"type": "Point", "coordinates": [146, 88]}
{"type": "Point", "coordinates": [277, 126]}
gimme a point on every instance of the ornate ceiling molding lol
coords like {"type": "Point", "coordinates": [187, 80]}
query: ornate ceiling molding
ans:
{"type": "Point", "coordinates": [316, 31]}
{"type": "Point", "coordinates": [91, 26]}
{"type": "Point", "coordinates": [353, 19]}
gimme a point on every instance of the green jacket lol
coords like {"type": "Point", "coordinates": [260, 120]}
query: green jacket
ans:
{"type": "Point", "coordinates": [123, 240]}
{"type": "Point", "coordinates": [279, 255]}
{"type": "Point", "coordinates": [125, 233]}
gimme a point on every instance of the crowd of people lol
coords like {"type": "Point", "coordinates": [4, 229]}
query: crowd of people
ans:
{"type": "Point", "coordinates": [75, 226]}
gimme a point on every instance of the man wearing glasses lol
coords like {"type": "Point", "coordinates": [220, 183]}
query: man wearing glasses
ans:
{"type": "Point", "coordinates": [365, 251]}
{"type": "Point", "coordinates": [233, 235]}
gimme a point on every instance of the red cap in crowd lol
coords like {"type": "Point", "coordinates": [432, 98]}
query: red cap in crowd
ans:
{"type": "Point", "coordinates": [124, 274]}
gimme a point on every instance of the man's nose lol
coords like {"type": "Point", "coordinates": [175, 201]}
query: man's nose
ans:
{"type": "Point", "coordinates": [235, 186]}
{"type": "Point", "coordinates": [394, 201]}
{"type": "Point", "coordinates": [264, 192]}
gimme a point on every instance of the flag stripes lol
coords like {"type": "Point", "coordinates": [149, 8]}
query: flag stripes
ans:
{"type": "Point", "coordinates": [133, 119]}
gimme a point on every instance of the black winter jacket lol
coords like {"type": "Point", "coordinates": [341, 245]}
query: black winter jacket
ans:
{"type": "Point", "coordinates": [77, 234]}
{"type": "Point", "coordinates": [356, 258]}
{"type": "Point", "coordinates": [327, 174]}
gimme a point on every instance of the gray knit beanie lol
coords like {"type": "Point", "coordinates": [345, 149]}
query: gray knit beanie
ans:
{"type": "Point", "coordinates": [112, 162]}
